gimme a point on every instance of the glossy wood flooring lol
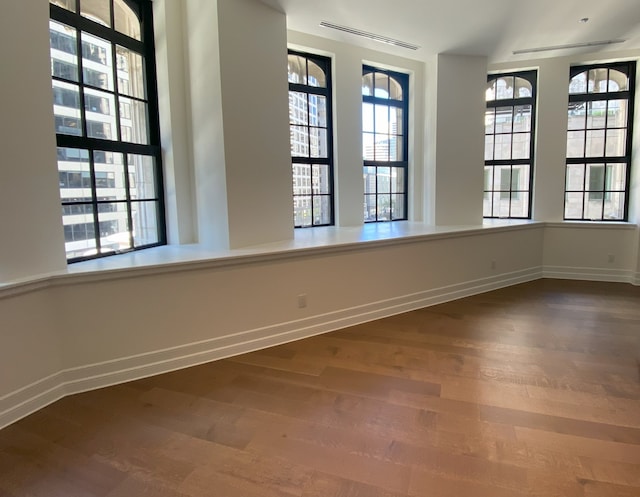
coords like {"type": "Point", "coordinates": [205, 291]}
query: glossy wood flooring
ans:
{"type": "Point", "coordinates": [533, 390]}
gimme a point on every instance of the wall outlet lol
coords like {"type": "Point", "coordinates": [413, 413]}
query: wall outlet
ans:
{"type": "Point", "coordinates": [611, 258]}
{"type": "Point", "coordinates": [493, 264]}
{"type": "Point", "coordinates": [302, 301]}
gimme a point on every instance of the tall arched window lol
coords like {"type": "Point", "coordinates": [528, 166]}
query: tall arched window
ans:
{"type": "Point", "coordinates": [106, 120]}
{"type": "Point", "coordinates": [509, 144]}
{"type": "Point", "coordinates": [311, 136]}
{"type": "Point", "coordinates": [385, 150]}
{"type": "Point", "coordinates": [599, 142]}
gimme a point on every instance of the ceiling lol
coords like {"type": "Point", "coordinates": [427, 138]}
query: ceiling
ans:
{"type": "Point", "coordinates": [494, 28]}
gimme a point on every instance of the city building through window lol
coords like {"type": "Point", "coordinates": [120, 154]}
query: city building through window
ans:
{"type": "Point", "coordinates": [385, 97]}
{"type": "Point", "coordinates": [599, 142]}
{"type": "Point", "coordinates": [106, 119]}
{"type": "Point", "coordinates": [509, 145]}
{"type": "Point", "coordinates": [310, 130]}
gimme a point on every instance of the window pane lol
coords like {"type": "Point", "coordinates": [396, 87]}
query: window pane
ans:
{"type": "Point", "coordinates": [577, 115]}
{"type": "Point", "coordinates": [145, 223]}
{"type": "Point", "coordinates": [110, 175]}
{"type": "Point", "coordinates": [616, 176]}
{"type": "Point", "coordinates": [100, 106]}
{"type": "Point", "coordinates": [369, 208]}
{"type": "Point", "coordinates": [504, 88]}
{"type": "Point", "coordinates": [367, 84]}
{"type": "Point", "coordinates": [384, 179]}
{"type": "Point", "coordinates": [299, 141]}
{"type": "Point", "coordinates": [298, 113]}
{"type": "Point", "coordinates": [97, 10]}
{"type": "Point", "coordinates": [521, 145]}
{"type": "Point", "coordinates": [316, 76]}
{"type": "Point", "coordinates": [302, 211]}
{"type": "Point", "coordinates": [488, 147]}
{"type": "Point", "coordinates": [321, 210]}
{"type": "Point", "coordinates": [381, 89]}
{"type": "Point", "coordinates": [395, 89]}
{"type": "Point", "coordinates": [384, 207]}
{"type": "Point", "coordinates": [520, 177]}
{"type": "Point", "coordinates": [318, 110]}
{"type": "Point", "coordinates": [113, 221]}
{"type": "Point", "coordinates": [126, 20]}
{"type": "Point", "coordinates": [301, 179]}
{"type": "Point", "coordinates": [520, 204]}
{"type": "Point", "coordinates": [297, 69]}
{"type": "Point", "coordinates": [79, 233]}
{"type": "Point", "coordinates": [66, 108]}
{"type": "Point", "coordinates": [598, 79]}
{"type": "Point", "coordinates": [593, 206]}
{"type": "Point", "coordinates": [596, 114]}
{"type": "Point", "coordinates": [575, 144]}
{"type": "Point", "coordinates": [488, 177]}
{"type": "Point", "coordinates": [369, 176]}
{"type": "Point", "coordinates": [489, 121]}
{"type": "Point", "coordinates": [395, 121]}
{"type": "Point", "coordinates": [133, 121]}
{"type": "Point", "coordinates": [318, 142]}
{"type": "Point", "coordinates": [595, 179]}
{"type": "Point", "coordinates": [367, 117]}
{"type": "Point", "coordinates": [381, 147]}
{"type": "Point", "coordinates": [382, 119]}
{"type": "Point", "coordinates": [614, 206]}
{"type": "Point", "coordinates": [595, 143]}
{"type": "Point", "coordinates": [142, 177]}
{"type": "Point", "coordinates": [522, 118]}
{"type": "Point", "coordinates": [130, 73]}
{"type": "Point", "coordinates": [523, 88]}
{"type": "Point", "coordinates": [97, 62]}
{"type": "Point", "coordinates": [617, 113]}
{"type": "Point", "coordinates": [573, 205]}
{"type": "Point", "coordinates": [618, 81]}
{"type": "Point", "coordinates": [397, 180]}
{"type": "Point", "coordinates": [503, 146]}
{"type": "Point", "coordinates": [368, 146]}
{"type": "Point", "coordinates": [575, 177]}
{"type": "Point", "coordinates": [504, 119]}
{"type": "Point", "coordinates": [396, 150]}
{"type": "Point", "coordinates": [321, 179]}
{"type": "Point", "coordinates": [65, 4]}
{"type": "Point", "coordinates": [64, 51]}
{"type": "Point", "coordinates": [616, 142]}
{"type": "Point", "coordinates": [397, 207]}
{"type": "Point", "coordinates": [578, 83]}
{"type": "Point", "coordinates": [501, 203]}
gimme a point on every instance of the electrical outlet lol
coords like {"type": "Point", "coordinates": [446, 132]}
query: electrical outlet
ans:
{"type": "Point", "coordinates": [493, 264]}
{"type": "Point", "coordinates": [302, 301]}
{"type": "Point", "coordinates": [611, 258]}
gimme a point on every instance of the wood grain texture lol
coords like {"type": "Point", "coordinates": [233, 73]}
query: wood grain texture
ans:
{"type": "Point", "coordinates": [532, 390]}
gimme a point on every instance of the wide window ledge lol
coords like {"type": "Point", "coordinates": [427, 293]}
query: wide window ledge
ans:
{"type": "Point", "coordinates": [305, 242]}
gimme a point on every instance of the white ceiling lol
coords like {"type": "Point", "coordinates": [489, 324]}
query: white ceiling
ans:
{"type": "Point", "coordinates": [494, 28]}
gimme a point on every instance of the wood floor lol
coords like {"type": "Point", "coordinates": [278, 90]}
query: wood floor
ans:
{"type": "Point", "coordinates": [533, 390]}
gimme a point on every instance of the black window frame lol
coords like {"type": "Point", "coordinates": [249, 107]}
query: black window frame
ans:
{"type": "Point", "coordinates": [324, 63]}
{"type": "Point", "coordinates": [96, 147]}
{"type": "Point", "coordinates": [512, 194]}
{"type": "Point", "coordinates": [628, 68]}
{"type": "Point", "coordinates": [403, 80]}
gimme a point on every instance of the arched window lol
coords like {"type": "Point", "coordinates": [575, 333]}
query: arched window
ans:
{"type": "Point", "coordinates": [106, 119]}
{"type": "Point", "coordinates": [599, 142]}
{"type": "Point", "coordinates": [509, 144]}
{"type": "Point", "coordinates": [384, 144]}
{"type": "Point", "coordinates": [311, 136]}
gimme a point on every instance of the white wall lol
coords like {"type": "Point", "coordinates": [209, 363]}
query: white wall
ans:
{"type": "Point", "coordinates": [459, 139]}
{"type": "Point", "coordinates": [31, 230]}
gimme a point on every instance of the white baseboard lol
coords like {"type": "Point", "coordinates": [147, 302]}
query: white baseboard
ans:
{"type": "Point", "coordinates": [589, 274]}
{"type": "Point", "coordinates": [41, 393]}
